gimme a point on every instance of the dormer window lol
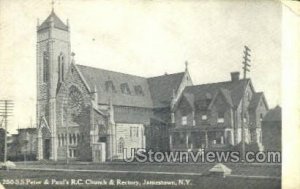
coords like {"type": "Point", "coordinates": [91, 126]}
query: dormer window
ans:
{"type": "Point", "coordinates": [138, 90]}
{"type": "Point", "coordinates": [220, 117]}
{"type": "Point", "coordinates": [125, 88]}
{"type": "Point", "coordinates": [109, 86]}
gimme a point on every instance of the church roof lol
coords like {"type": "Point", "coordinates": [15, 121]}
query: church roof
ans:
{"type": "Point", "coordinates": [140, 91]}
{"type": "Point", "coordinates": [57, 22]}
{"type": "Point", "coordinates": [161, 88]}
{"type": "Point", "coordinates": [233, 91]}
{"type": "Point", "coordinates": [108, 85]}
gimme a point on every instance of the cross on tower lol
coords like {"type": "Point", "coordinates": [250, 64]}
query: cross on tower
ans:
{"type": "Point", "coordinates": [52, 5]}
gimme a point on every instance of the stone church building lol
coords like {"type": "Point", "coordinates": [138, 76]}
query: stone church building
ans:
{"type": "Point", "coordinates": [91, 114]}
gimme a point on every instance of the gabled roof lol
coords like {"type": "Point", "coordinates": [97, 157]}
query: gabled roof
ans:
{"type": "Point", "coordinates": [189, 99]}
{"type": "Point", "coordinates": [232, 91]}
{"type": "Point", "coordinates": [161, 88]}
{"type": "Point", "coordinates": [157, 91]}
{"type": "Point", "coordinates": [273, 115]}
{"type": "Point", "coordinates": [57, 22]}
{"type": "Point", "coordinates": [225, 93]}
{"type": "Point", "coordinates": [98, 77]}
{"type": "Point", "coordinates": [256, 98]}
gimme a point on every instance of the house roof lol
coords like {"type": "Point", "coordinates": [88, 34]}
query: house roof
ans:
{"type": "Point", "coordinates": [190, 99]}
{"type": "Point", "coordinates": [255, 100]}
{"type": "Point", "coordinates": [226, 94]}
{"type": "Point", "coordinates": [161, 88]}
{"type": "Point", "coordinates": [273, 115]}
{"type": "Point", "coordinates": [232, 91]}
{"type": "Point", "coordinates": [57, 22]}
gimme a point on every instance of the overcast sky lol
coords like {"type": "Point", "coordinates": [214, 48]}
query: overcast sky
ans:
{"type": "Point", "coordinates": [145, 38]}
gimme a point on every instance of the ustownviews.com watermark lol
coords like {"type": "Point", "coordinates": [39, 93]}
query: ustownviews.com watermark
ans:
{"type": "Point", "coordinates": [202, 156]}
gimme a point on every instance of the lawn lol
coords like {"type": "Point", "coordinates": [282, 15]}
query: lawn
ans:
{"type": "Point", "coordinates": [237, 169]}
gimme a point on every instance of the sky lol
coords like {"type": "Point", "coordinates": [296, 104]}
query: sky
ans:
{"type": "Point", "coordinates": [145, 38]}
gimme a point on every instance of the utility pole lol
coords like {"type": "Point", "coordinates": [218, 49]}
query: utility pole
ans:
{"type": "Point", "coordinates": [6, 108]}
{"type": "Point", "coordinates": [246, 65]}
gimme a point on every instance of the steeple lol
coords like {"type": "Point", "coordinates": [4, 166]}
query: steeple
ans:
{"type": "Point", "coordinates": [53, 21]}
{"type": "Point", "coordinates": [53, 57]}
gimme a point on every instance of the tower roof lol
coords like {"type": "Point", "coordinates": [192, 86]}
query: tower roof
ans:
{"type": "Point", "coordinates": [57, 22]}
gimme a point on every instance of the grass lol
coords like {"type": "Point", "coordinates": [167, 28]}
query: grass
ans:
{"type": "Point", "coordinates": [237, 169]}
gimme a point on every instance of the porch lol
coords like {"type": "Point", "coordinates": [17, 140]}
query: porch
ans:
{"type": "Point", "coordinates": [193, 138]}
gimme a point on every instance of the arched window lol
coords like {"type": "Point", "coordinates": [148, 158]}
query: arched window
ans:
{"type": "Point", "coordinates": [45, 67]}
{"type": "Point", "coordinates": [121, 145]}
{"type": "Point", "coordinates": [61, 67]}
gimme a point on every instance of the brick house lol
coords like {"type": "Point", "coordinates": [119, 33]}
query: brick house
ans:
{"type": "Point", "coordinates": [209, 115]}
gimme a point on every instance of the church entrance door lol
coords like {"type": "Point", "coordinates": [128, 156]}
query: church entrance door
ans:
{"type": "Point", "coordinates": [46, 148]}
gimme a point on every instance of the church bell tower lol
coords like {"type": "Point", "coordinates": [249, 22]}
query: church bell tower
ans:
{"type": "Point", "coordinates": [53, 60]}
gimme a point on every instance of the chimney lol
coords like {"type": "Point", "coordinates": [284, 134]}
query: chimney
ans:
{"type": "Point", "coordinates": [235, 76]}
